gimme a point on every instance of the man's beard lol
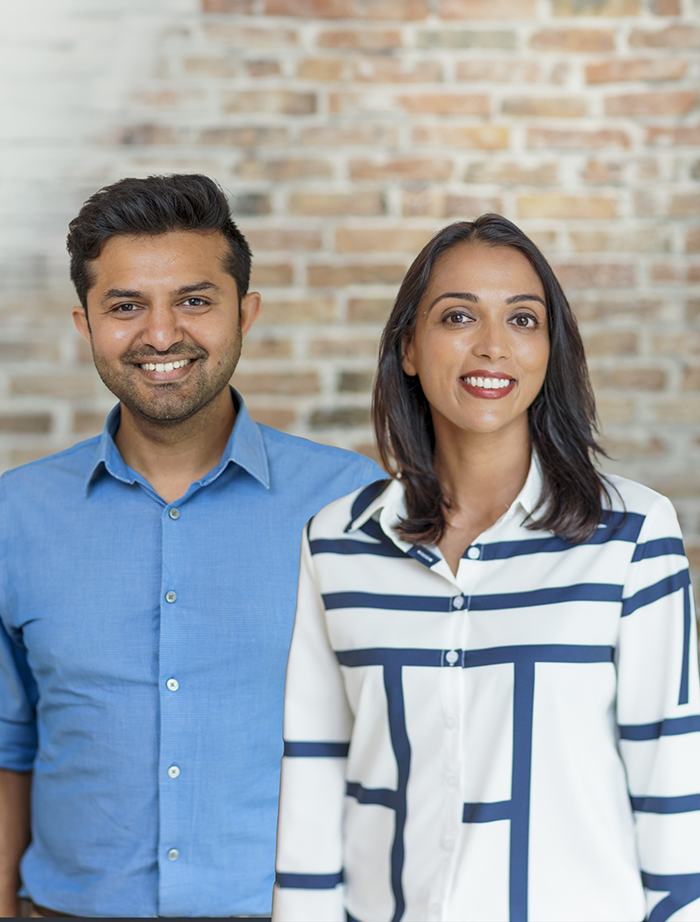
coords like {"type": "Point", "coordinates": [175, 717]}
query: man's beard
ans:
{"type": "Point", "coordinates": [171, 403]}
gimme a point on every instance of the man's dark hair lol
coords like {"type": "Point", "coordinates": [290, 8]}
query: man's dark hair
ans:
{"type": "Point", "coordinates": [156, 205]}
{"type": "Point", "coordinates": [562, 418]}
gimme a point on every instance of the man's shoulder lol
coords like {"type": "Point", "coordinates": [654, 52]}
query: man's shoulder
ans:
{"type": "Point", "coordinates": [295, 449]}
{"type": "Point", "coordinates": [71, 463]}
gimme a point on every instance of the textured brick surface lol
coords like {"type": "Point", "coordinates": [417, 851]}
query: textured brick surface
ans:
{"type": "Point", "coordinates": [347, 132]}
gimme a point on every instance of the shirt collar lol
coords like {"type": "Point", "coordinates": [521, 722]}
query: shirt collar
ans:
{"type": "Point", "coordinates": [391, 501]}
{"type": "Point", "coordinates": [245, 447]}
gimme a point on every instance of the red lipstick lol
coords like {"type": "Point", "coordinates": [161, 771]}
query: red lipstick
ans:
{"type": "Point", "coordinates": [487, 385]}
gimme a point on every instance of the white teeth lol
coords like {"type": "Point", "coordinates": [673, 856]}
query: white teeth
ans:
{"type": "Point", "coordinates": [165, 366]}
{"type": "Point", "coordinates": [490, 384]}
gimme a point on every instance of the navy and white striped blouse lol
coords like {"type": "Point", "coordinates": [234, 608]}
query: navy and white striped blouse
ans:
{"type": "Point", "coordinates": [520, 741]}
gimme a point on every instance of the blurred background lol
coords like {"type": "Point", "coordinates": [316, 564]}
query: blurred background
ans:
{"type": "Point", "coordinates": [346, 132]}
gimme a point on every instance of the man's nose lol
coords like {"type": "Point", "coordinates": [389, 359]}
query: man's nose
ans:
{"type": "Point", "coordinates": [161, 328]}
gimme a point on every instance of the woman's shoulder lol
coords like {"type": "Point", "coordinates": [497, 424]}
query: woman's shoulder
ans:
{"type": "Point", "coordinates": [338, 517]}
{"type": "Point", "coordinates": [629, 496]}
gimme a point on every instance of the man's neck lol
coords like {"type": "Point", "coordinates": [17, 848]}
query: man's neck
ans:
{"type": "Point", "coordinates": [171, 456]}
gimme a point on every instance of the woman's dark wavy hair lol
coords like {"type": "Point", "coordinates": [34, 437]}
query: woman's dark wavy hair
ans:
{"type": "Point", "coordinates": [562, 418]}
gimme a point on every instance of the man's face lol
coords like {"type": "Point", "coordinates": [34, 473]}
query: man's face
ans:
{"type": "Point", "coordinates": [164, 322]}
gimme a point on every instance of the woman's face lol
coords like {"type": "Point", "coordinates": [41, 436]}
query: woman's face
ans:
{"type": "Point", "coordinates": [481, 344]}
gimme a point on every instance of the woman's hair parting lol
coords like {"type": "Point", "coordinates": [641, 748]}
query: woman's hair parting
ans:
{"type": "Point", "coordinates": [562, 418]}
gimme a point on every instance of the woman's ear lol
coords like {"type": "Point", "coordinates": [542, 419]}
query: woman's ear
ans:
{"type": "Point", "coordinates": [407, 349]}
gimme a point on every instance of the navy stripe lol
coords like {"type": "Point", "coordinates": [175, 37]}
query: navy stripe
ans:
{"type": "Point", "coordinates": [490, 656]}
{"type": "Point", "coordinates": [309, 881]}
{"type": "Point", "coordinates": [672, 726]}
{"type": "Point", "coordinates": [681, 888]}
{"type": "Point", "coordinates": [685, 663]}
{"type": "Point", "coordinates": [316, 750]}
{"type": "Point", "coordinates": [364, 499]}
{"type": "Point", "coordinates": [353, 546]}
{"type": "Point", "coordinates": [687, 803]}
{"type": "Point", "coordinates": [582, 592]}
{"type": "Point", "coordinates": [393, 686]}
{"type": "Point", "coordinates": [487, 813]}
{"type": "Point", "coordinates": [523, 707]}
{"type": "Point", "coordinates": [653, 593]}
{"type": "Point", "coordinates": [382, 797]}
{"type": "Point", "coordinates": [659, 547]}
{"type": "Point", "coordinates": [423, 555]}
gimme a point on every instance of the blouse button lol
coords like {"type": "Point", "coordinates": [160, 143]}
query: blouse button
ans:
{"type": "Point", "coordinates": [473, 553]}
{"type": "Point", "coordinates": [458, 601]}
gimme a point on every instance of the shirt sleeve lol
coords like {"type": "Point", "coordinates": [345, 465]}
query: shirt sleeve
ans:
{"type": "Point", "coordinates": [658, 713]}
{"type": "Point", "coordinates": [317, 728]}
{"type": "Point", "coordinates": [18, 736]}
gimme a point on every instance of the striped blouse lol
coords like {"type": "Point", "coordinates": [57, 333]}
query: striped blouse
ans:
{"type": "Point", "coordinates": [520, 741]}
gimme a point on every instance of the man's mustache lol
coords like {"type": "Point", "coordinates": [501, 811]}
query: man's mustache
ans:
{"type": "Point", "coordinates": [176, 351]}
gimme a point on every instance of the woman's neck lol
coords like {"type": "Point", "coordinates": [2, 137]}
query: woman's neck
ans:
{"type": "Point", "coordinates": [480, 475]}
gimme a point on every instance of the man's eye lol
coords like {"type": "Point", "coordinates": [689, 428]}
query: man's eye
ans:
{"type": "Point", "coordinates": [125, 308]}
{"type": "Point", "coordinates": [194, 302]}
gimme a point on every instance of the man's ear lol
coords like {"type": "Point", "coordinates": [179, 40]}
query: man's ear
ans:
{"type": "Point", "coordinates": [250, 308]}
{"type": "Point", "coordinates": [82, 324]}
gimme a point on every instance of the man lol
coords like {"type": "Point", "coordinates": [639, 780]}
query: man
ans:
{"type": "Point", "coordinates": [148, 583]}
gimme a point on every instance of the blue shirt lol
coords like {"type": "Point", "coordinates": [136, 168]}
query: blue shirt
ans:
{"type": "Point", "coordinates": [142, 662]}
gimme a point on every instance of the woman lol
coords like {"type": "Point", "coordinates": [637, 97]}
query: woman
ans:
{"type": "Point", "coordinates": [492, 692]}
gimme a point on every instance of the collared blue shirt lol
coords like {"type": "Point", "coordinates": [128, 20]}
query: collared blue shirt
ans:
{"type": "Point", "coordinates": [142, 662]}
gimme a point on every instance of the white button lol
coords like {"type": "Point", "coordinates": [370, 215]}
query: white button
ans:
{"type": "Point", "coordinates": [458, 601]}
{"type": "Point", "coordinates": [174, 513]}
{"type": "Point", "coordinates": [451, 722]}
{"type": "Point", "coordinates": [173, 771]}
{"type": "Point", "coordinates": [172, 684]}
{"type": "Point", "coordinates": [452, 780]}
{"type": "Point", "coordinates": [473, 553]}
{"type": "Point", "coordinates": [448, 844]}
{"type": "Point", "coordinates": [171, 596]}
{"type": "Point", "coordinates": [173, 854]}
{"type": "Point", "coordinates": [452, 657]}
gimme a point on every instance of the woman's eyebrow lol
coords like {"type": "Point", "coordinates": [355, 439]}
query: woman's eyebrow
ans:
{"type": "Point", "coordinates": [516, 299]}
{"type": "Point", "coordinates": [464, 295]}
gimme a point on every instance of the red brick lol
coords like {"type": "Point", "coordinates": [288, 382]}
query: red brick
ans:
{"type": "Point", "coordinates": [355, 382]}
{"type": "Point", "coordinates": [692, 310]}
{"type": "Point", "coordinates": [277, 417]}
{"type": "Point", "coordinates": [684, 409]}
{"type": "Point", "coordinates": [637, 69]}
{"type": "Point", "coordinates": [266, 348]}
{"type": "Point", "coordinates": [369, 310]}
{"type": "Point", "coordinates": [272, 275]}
{"type": "Point", "coordinates": [546, 107]}
{"type": "Point", "coordinates": [598, 275]}
{"type": "Point", "coordinates": [238, 7]}
{"type": "Point", "coordinates": [149, 134]}
{"type": "Point", "coordinates": [237, 36]}
{"type": "Point", "coordinates": [407, 168]}
{"type": "Point", "coordinates": [471, 137]}
{"type": "Point", "coordinates": [446, 104]}
{"type": "Point", "coordinates": [674, 136]}
{"type": "Point", "coordinates": [362, 135]}
{"type": "Point", "coordinates": [686, 204]}
{"type": "Point", "coordinates": [512, 174]}
{"type": "Point", "coordinates": [569, 139]}
{"type": "Point", "coordinates": [641, 240]}
{"type": "Point", "coordinates": [337, 203]}
{"type": "Point", "coordinates": [614, 409]}
{"type": "Point", "coordinates": [361, 39]}
{"type": "Point", "coordinates": [325, 276]}
{"type": "Point", "coordinates": [691, 379]}
{"type": "Point", "coordinates": [271, 238]}
{"type": "Point", "coordinates": [363, 348]}
{"type": "Point", "coordinates": [638, 379]}
{"type": "Point", "coordinates": [306, 310]}
{"type": "Point", "coordinates": [676, 273]}
{"type": "Point", "coordinates": [370, 70]}
{"type": "Point", "coordinates": [635, 104]}
{"type": "Point", "coordinates": [27, 455]}
{"type": "Point", "coordinates": [510, 71]}
{"type": "Point", "coordinates": [380, 239]}
{"type": "Point", "coordinates": [487, 9]}
{"type": "Point", "coordinates": [341, 417]}
{"type": "Point", "coordinates": [611, 342]}
{"type": "Point", "coordinates": [555, 205]}
{"type": "Point", "coordinates": [436, 203]}
{"type": "Point", "coordinates": [628, 449]}
{"type": "Point", "coordinates": [666, 7]}
{"type": "Point", "coordinates": [676, 36]}
{"type": "Point", "coordinates": [85, 422]}
{"type": "Point", "coordinates": [207, 66]}
{"type": "Point", "coordinates": [596, 7]}
{"type": "Point", "coordinates": [247, 136]}
{"type": "Point", "coordinates": [53, 386]}
{"type": "Point", "coordinates": [572, 40]}
{"type": "Point", "coordinates": [599, 172]}
{"type": "Point", "coordinates": [348, 9]}
{"type": "Point", "coordinates": [283, 169]}
{"type": "Point", "coordinates": [25, 423]}
{"type": "Point", "coordinates": [692, 241]}
{"type": "Point", "coordinates": [278, 102]}
{"type": "Point", "coordinates": [676, 344]}
{"type": "Point", "coordinates": [263, 68]}
{"type": "Point", "coordinates": [290, 382]}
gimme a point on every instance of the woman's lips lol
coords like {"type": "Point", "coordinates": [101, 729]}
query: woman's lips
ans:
{"type": "Point", "coordinates": [487, 386]}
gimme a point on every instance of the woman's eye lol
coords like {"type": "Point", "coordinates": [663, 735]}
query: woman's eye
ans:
{"type": "Point", "coordinates": [456, 318]}
{"type": "Point", "coordinates": [525, 321]}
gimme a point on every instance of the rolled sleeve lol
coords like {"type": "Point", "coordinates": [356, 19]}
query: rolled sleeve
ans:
{"type": "Point", "coordinates": [18, 695]}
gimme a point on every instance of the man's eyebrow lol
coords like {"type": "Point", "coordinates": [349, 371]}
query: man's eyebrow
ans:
{"type": "Point", "coordinates": [116, 293]}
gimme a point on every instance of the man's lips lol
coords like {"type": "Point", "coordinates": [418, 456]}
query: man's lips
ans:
{"type": "Point", "coordinates": [487, 385]}
{"type": "Point", "coordinates": [164, 369]}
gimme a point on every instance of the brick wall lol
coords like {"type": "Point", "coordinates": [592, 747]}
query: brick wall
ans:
{"type": "Point", "coordinates": [347, 132]}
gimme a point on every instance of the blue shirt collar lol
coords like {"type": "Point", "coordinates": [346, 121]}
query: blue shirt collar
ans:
{"type": "Point", "coordinates": [245, 447]}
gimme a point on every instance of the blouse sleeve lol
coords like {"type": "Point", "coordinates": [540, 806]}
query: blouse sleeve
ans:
{"type": "Point", "coordinates": [658, 713]}
{"type": "Point", "coordinates": [317, 727]}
